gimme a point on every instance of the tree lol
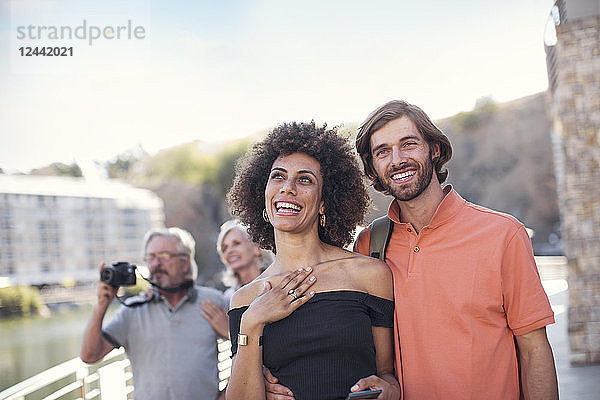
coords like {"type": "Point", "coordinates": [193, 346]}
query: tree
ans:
{"type": "Point", "coordinates": [120, 166]}
{"type": "Point", "coordinates": [226, 161]}
{"type": "Point", "coordinates": [59, 169]}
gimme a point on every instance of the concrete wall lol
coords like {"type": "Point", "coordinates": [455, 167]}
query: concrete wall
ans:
{"type": "Point", "coordinates": [574, 100]}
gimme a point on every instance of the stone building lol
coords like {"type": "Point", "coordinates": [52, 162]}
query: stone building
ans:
{"type": "Point", "coordinates": [573, 59]}
{"type": "Point", "coordinates": [57, 230]}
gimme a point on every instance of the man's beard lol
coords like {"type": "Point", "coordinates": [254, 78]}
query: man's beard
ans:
{"type": "Point", "coordinates": [161, 279]}
{"type": "Point", "coordinates": [414, 189]}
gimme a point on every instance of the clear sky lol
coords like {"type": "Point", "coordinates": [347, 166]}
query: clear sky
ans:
{"type": "Point", "coordinates": [219, 70]}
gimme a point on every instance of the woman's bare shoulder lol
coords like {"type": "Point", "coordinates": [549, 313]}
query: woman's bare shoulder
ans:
{"type": "Point", "coordinates": [247, 293]}
{"type": "Point", "coordinates": [372, 265]}
{"type": "Point", "coordinates": [375, 275]}
{"type": "Point", "coordinates": [359, 264]}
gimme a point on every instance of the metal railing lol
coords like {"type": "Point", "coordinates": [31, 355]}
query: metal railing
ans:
{"type": "Point", "coordinates": [110, 379]}
{"type": "Point", "coordinates": [74, 379]}
{"type": "Point", "coordinates": [224, 363]}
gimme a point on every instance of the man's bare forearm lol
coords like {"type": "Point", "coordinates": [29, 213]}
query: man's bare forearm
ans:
{"type": "Point", "coordinates": [94, 345]}
{"type": "Point", "coordinates": [538, 373]}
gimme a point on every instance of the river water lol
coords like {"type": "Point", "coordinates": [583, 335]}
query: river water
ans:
{"type": "Point", "coordinates": [31, 345]}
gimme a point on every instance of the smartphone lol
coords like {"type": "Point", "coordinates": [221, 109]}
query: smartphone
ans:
{"type": "Point", "coordinates": [364, 394]}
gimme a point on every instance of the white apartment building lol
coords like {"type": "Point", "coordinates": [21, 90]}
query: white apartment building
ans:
{"type": "Point", "coordinates": [58, 230]}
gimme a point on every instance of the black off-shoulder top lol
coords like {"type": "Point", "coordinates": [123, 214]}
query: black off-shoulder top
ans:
{"type": "Point", "coordinates": [324, 347]}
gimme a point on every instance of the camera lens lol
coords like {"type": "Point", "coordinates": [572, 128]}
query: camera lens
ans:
{"type": "Point", "coordinates": [107, 275]}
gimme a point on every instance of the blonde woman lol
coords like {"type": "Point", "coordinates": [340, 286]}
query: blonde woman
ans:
{"type": "Point", "coordinates": [244, 261]}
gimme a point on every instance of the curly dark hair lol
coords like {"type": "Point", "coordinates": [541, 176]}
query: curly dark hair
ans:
{"type": "Point", "coordinates": [344, 193]}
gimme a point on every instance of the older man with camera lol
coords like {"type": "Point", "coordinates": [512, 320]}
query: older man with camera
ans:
{"type": "Point", "coordinates": [171, 346]}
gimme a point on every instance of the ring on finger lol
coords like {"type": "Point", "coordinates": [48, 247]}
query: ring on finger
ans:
{"type": "Point", "coordinates": [292, 293]}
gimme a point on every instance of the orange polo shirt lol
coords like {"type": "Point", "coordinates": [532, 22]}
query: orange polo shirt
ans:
{"type": "Point", "coordinates": [463, 287]}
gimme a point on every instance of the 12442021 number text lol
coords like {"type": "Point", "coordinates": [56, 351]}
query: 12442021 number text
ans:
{"type": "Point", "coordinates": [46, 51]}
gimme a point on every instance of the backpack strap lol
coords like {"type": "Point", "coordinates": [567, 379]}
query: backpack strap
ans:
{"type": "Point", "coordinates": [381, 232]}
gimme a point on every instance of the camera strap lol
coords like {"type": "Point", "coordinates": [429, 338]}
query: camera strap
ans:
{"type": "Point", "coordinates": [136, 301]}
{"type": "Point", "coordinates": [184, 286]}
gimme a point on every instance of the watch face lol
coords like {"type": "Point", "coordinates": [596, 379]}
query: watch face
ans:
{"type": "Point", "coordinates": [242, 339]}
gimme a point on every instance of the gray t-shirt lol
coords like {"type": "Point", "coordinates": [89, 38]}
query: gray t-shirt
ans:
{"type": "Point", "coordinates": [173, 351]}
{"type": "Point", "coordinates": [228, 294]}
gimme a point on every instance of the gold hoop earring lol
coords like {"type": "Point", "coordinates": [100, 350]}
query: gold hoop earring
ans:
{"type": "Point", "coordinates": [265, 216]}
{"type": "Point", "coordinates": [322, 220]}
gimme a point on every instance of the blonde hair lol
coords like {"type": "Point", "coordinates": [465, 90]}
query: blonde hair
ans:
{"type": "Point", "coordinates": [265, 257]}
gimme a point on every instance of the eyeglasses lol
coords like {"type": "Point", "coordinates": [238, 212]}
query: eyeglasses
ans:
{"type": "Point", "coordinates": [163, 256]}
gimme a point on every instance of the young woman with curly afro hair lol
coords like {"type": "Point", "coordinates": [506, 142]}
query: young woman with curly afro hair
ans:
{"type": "Point", "coordinates": [320, 318]}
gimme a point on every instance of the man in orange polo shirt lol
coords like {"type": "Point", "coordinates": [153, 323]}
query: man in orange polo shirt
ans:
{"type": "Point", "coordinates": [470, 308]}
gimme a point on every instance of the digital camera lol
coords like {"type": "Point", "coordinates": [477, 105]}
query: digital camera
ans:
{"type": "Point", "coordinates": [119, 274]}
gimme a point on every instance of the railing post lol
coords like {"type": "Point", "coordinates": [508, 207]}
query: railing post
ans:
{"type": "Point", "coordinates": [80, 375]}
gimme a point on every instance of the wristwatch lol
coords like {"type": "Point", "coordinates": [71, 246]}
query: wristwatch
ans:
{"type": "Point", "coordinates": [242, 339]}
